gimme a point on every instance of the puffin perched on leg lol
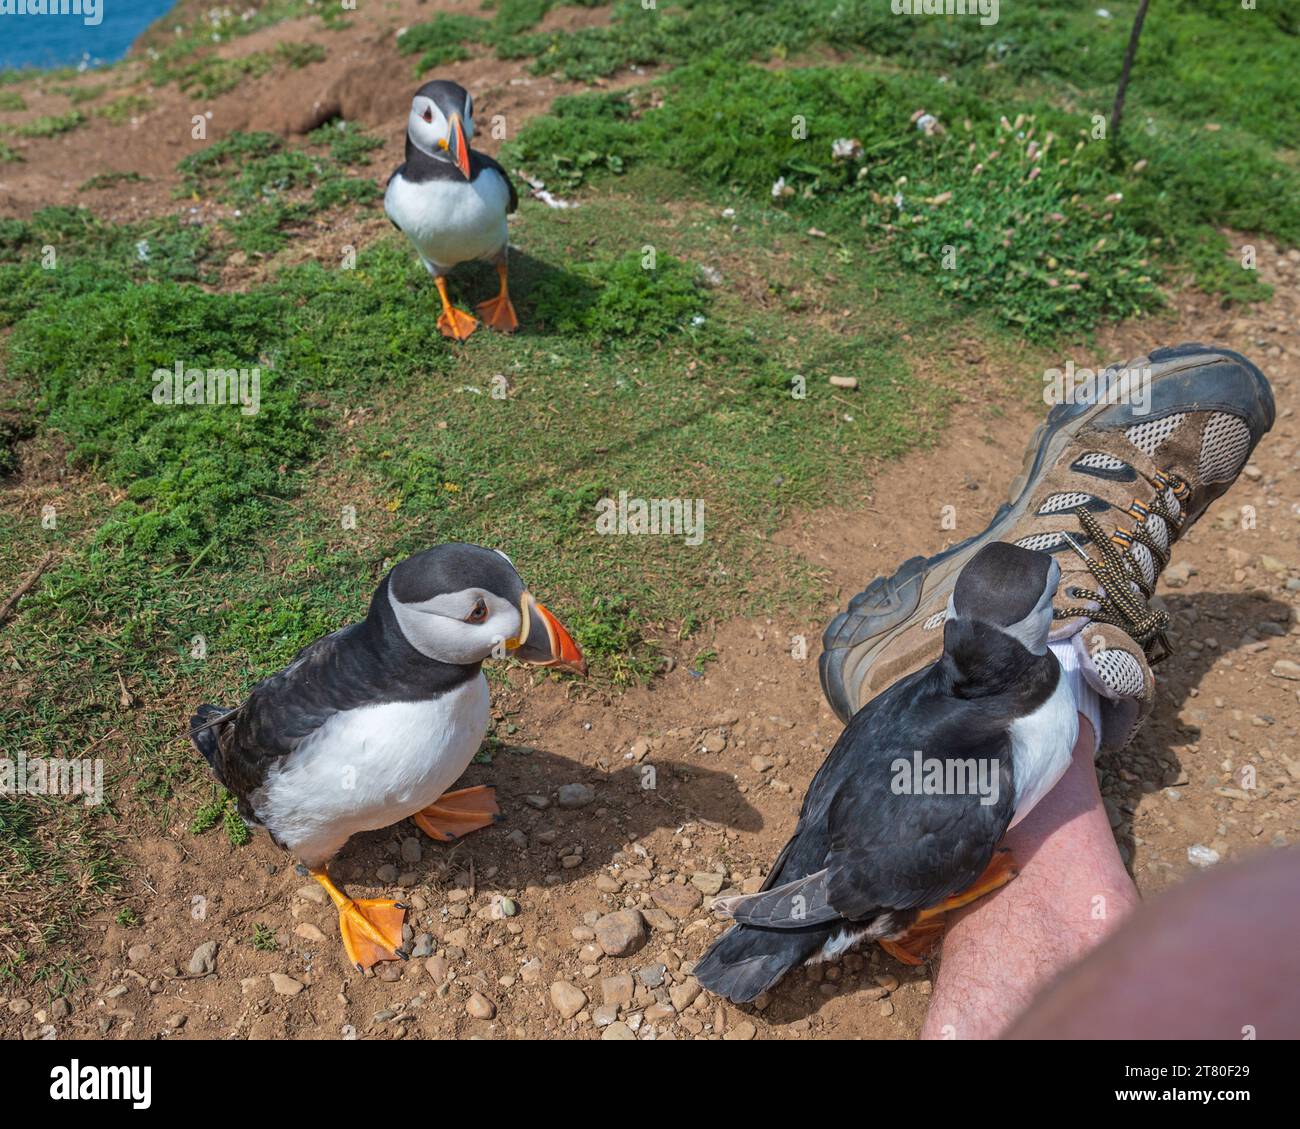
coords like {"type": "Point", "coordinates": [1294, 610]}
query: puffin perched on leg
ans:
{"type": "Point", "coordinates": [375, 722]}
{"type": "Point", "coordinates": [903, 819]}
{"type": "Point", "coordinates": [451, 201]}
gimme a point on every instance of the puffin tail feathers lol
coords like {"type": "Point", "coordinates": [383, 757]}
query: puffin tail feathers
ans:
{"type": "Point", "coordinates": [745, 962]}
{"type": "Point", "coordinates": [205, 728]}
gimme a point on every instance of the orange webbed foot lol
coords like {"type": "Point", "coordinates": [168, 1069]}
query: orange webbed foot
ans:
{"type": "Point", "coordinates": [372, 931]}
{"type": "Point", "coordinates": [499, 313]}
{"type": "Point", "coordinates": [458, 813]}
{"type": "Point", "coordinates": [456, 324]}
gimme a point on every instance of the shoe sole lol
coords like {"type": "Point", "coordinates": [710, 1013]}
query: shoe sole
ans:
{"type": "Point", "coordinates": [1182, 379]}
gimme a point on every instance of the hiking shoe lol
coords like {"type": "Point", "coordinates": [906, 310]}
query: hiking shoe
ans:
{"type": "Point", "coordinates": [1107, 488]}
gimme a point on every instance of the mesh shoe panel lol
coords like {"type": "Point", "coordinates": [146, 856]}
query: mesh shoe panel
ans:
{"type": "Point", "coordinates": [1146, 437]}
{"type": "Point", "coordinates": [1223, 447]}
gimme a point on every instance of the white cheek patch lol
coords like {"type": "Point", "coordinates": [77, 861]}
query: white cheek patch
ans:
{"type": "Point", "coordinates": [437, 629]}
{"type": "Point", "coordinates": [452, 605]}
{"type": "Point", "coordinates": [427, 134]}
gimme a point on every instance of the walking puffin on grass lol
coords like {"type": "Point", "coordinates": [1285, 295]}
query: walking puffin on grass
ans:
{"type": "Point", "coordinates": [881, 849]}
{"type": "Point", "coordinates": [372, 724]}
{"type": "Point", "coordinates": [451, 201]}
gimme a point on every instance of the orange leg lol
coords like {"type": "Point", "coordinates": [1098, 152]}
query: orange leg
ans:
{"type": "Point", "coordinates": [498, 312]}
{"type": "Point", "coordinates": [453, 322]}
{"type": "Point", "coordinates": [927, 930]}
{"type": "Point", "coordinates": [371, 927]}
{"type": "Point", "coordinates": [458, 813]}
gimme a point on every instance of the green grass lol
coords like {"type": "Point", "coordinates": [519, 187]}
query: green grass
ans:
{"type": "Point", "coordinates": [348, 144]}
{"type": "Point", "coordinates": [89, 257]}
{"type": "Point", "coordinates": [221, 810]}
{"type": "Point", "coordinates": [275, 187]}
{"type": "Point", "coordinates": [122, 109]}
{"type": "Point", "coordinates": [298, 55]}
{"type": "Point", "coordinates": [1058, 61]}
{"type": "Point", "coordinates": [49, 125]}
{"type": "Point", "coordinates": [208, 76]}
{"type": "Point", "coordinates": [448, 36]}
{"type": "Point", "coordinates": [1022, 211]}
{"type": "Point", "coordinates": [81, 94]}
{"type": "Point", "coordinates": [57, 861]}
{"type": "Point", "coordinates": [442, 40]}
{"type": "Point", "coordinates": [110, 179]}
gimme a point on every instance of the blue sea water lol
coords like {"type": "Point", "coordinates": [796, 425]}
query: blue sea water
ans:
{"type": "Point", "coordinates": [30, 39]}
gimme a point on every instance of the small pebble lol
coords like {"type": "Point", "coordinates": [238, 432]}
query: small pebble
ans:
{"type": "Point", "coordinates": [204, 960]}
{"type": "Point", "coordinates": [567, 998]}
{"type": "Point", "coordinates": [478, 1006]}
{"type": "Point", "coordinates": [575, 795]}
{"type": "Point", "coordinates": [285, 985]}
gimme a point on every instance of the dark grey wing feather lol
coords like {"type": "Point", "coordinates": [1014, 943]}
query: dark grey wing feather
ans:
{"type": "Point", "coordinates": [790, 905]}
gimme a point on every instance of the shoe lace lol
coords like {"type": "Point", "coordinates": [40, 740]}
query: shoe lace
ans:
{"type": "Point", "coordinates": [1118, 572]}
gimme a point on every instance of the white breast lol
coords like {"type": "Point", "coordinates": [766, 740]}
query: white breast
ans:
{"type": "Point", "coordinates": [369, 768]}
{"type": "Point", "coordinates": [1041, 744]}
{"type": "Point", "coordinates": [451, 221]}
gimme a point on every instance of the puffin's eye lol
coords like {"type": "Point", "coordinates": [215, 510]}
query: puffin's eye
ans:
{"type": "Point", "coordinates": [479, 614]}
{"type": "Point", "coordinates": [427, 115]}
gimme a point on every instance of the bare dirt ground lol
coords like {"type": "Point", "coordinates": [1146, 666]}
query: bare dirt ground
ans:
{"type": "Point", "coordinates": [728, 752]}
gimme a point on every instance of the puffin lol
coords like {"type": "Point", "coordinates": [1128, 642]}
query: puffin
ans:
{"type": "Point", "coordinates": [903, 819]}
{"type": "Point", "coordinates": [451, 202]}
{"type": "Point", "coordinates": [374, 723]}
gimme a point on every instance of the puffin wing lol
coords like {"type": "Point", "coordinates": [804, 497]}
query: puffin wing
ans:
{"type": "Point", "coordinates": [278, 714]}
{"type": "Point", "coordinates": [925, 847]}
{"type": "Point", "coordinates": [792, 905]}
{"type": "Point", "coordinates": [862, 846]}
{"type": "Point", "coordinates": [485, 162]}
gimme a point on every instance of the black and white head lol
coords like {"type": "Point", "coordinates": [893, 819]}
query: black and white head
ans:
{"type": "Point", "coordinates": [441, 122]}
{"type": "Point", "coordinates": [462, 604]}
{"type": "Point", "coordinates": [1009, 588]}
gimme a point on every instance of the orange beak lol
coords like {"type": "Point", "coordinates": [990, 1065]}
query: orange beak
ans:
{"type": "Point", "coordinates": [543, 641]}
{"type": "Point", "coordinates": [458, 145]}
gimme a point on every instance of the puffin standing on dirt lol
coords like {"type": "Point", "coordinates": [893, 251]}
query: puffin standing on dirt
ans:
{"type": "Point", "coordinates": [373, 723]}
{"type": "Point", "coordinates": [451, 201]}
{"type": "Point", "coordinates": [902, 821]}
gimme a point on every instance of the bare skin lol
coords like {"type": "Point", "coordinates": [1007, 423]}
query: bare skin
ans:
{"type": "Point", "coordinates": [1071, 893]}
{"type": "Point", "coordinates": [1214, 958]}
